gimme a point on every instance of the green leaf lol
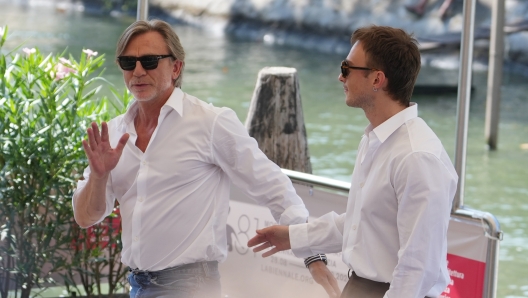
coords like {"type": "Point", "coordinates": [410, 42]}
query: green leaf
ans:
{"type": "Point", "coordinates": [3, 35]}
{"type": "Point", "coordinates": [42, 124]}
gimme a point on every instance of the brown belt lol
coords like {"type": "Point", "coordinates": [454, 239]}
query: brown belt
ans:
{"type": "Point", "coordinates": [364, 288]}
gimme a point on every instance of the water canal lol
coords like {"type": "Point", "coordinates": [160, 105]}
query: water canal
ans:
{"type": "Point", "coordinates": [223, 71]}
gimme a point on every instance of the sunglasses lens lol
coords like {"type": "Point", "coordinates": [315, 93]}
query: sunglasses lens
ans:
{"type": "Point", "coordinates": [127, 63]}
{"type": "Point", "coordinates": [149, 62]}
{"type": "Point", "coordinates": [344, 69]}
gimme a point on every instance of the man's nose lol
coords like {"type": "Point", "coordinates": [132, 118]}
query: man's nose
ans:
{"type": "Point", "coordinates": [139, 70]}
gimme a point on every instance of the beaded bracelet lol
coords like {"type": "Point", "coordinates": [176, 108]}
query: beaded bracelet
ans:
{"type": "Point", "coordinates": [317, 257]}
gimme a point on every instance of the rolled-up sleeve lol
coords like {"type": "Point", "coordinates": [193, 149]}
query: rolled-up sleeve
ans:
{"type": "Point", "coordinates": [322, 235]}
{"type": "Point", "coordinates": [110, 198]}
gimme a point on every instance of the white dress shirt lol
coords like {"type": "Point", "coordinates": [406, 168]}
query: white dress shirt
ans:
{"type": "Point", "coordinates": [395, 226]}
{"type": "Point", "coordinates": [174, 197]}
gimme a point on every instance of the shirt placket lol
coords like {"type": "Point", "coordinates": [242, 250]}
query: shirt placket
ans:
{"type": "Point", "coordinates": [363, 171]}
{"type": "Point", "coordinates": [142, 195]}
{"type": "Point", "coordinates": [138, 209]}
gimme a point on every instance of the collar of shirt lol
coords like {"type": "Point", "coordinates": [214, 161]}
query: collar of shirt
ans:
{"type": "Point", "coordinates": [385, 129]}
{"type": "Point", "coordinates": [174, 102]}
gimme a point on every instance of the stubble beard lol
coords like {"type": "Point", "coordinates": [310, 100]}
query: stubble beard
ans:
{"type": "Point", "coordinates": [142, 96]}
{"type": "Point", "coordinates": [149, 95]}
{"type": "Point", "coordinates": [362, 101]}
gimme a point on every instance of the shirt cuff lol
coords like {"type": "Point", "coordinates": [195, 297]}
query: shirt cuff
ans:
{"type": "Point", "coordinates": [295, 214]}
{"type": "Point", "coordinates": [299, 243]}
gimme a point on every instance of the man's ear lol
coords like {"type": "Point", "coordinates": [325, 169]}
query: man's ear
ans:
{"type": "Point", "coordinates": [177, 68]}
{"type": "Point", "coordinates": [380, 80]}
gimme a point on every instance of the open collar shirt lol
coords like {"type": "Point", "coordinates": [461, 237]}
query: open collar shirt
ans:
{"type": "Point", "coordinates": [174, 197]}
{"type": "Point", "coordinates": [395, 226]}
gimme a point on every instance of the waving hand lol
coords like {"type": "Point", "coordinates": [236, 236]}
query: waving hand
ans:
{"type": "Point", "coordinates": [101, 156]}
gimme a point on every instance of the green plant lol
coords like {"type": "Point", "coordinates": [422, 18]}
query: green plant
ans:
{"type": "Point", "coordinates": [46, 102]}
{"type": "Point", "coordinates": [94, 258]}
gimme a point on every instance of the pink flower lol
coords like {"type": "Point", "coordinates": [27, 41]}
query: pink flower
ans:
{"type": "Point", "coordinates": [64, 61]}
{"type": "Point", "coordinates": [29, 51]}
{"type": "Point", "coordinates": [63, 71]}
{"type": "Point", "coordinates": [90, 53]}
{"type": "Point", "coordinates": [59, 76]}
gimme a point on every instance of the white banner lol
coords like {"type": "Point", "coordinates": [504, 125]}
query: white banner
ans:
{"type": "Point", "coordinates": [246, 274]}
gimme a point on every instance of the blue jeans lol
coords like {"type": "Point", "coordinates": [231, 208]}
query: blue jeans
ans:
{"type": "Point", "coordinates": [196, 280]}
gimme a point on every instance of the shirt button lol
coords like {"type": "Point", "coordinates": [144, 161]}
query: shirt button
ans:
{"type": "Point", "coordinates": [140, 199]}
{"type": "Point", "coordinates": [144, 163]}
{"type": "Point", "coordinates": [361, 184]}
{"type": "Point", "coordinates": [354, 227]}
{"type": "Point", "coordinates": [136, 238]}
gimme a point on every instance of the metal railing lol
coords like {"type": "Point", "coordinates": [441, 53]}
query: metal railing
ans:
{"type": "Point", "coordinates": [464, 94]}
{"type": "Point", "coordinates": [142, 10]}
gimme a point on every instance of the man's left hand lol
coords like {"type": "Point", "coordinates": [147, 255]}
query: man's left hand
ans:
{"type": "Point", "coordinates": [325, 278]}
{"type": "Point", "coordinates": [277, 238]}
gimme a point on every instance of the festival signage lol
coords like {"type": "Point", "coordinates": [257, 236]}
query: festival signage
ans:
{"type": "Point", "coordinates": [467, 246]}
{"type": "Point", "coordinates": [248, 274]}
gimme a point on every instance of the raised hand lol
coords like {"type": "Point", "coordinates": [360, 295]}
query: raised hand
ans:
{"type": "Point", "coordinates": [275, 237]}
{"type": "Point", "coordinates": [101, 156]}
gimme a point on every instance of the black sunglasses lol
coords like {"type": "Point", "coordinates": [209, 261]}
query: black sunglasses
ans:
{"type": "Point", "coordinates": [147, 62]}
{"type": "Point", "coordinates": [345, 67]}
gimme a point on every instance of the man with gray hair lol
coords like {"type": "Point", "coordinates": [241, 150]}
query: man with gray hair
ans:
{"type": "Point", "coordinates": [169, 161]}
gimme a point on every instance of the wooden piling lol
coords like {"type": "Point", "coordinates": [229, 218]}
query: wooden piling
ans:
{"type": "Point", "coordinates": [496, 57]}
{"type": "Point", "coordinates": [275, 119]}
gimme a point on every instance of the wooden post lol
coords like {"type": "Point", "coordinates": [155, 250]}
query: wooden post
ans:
{"type": "Point", "coordinates": [275, 119]}
{"type": "Point", "coordinates": [496, 57]}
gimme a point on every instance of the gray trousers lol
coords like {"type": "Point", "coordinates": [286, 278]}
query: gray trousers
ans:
{"type": "Point", "coordinates": [196, 280]}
